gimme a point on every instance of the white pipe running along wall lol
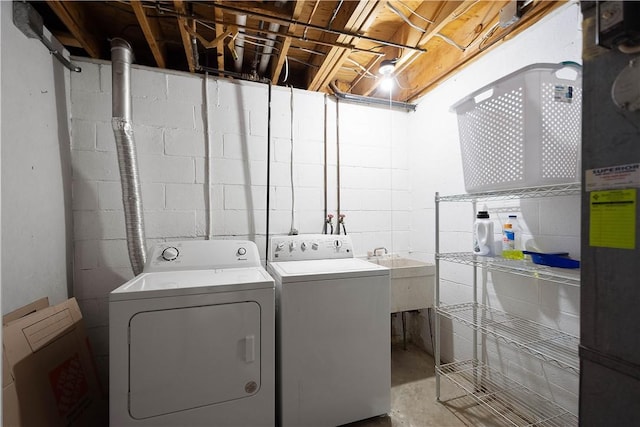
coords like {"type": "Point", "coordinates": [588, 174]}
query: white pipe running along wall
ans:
{"type": "Point", "coordinates": [338, 161]}
{"type": "Point", "coordinates": [209, 155]}
{"type": "Point", "coordinates": [293, 229]}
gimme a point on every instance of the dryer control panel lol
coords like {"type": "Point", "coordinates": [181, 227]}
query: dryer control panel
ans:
{"type": "Point", "coordinates": [310, 246]}
{"type": "Point", "coordinates": [202, 255]}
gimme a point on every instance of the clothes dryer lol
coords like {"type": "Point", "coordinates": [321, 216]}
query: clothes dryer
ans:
{"type": "Point", "coordinates": [192, 339]}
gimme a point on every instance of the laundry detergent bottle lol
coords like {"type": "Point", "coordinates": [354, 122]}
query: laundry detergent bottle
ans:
{"type": "Point", "coordinates": [483, 234]}
{"type": "Point", "coordinates": [512, 239]}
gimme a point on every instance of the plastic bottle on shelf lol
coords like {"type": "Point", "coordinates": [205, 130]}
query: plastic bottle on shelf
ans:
{"type": "Point", "coordinates": [483, 234]}
{"type": "Point", "coordinates": [512, 239]}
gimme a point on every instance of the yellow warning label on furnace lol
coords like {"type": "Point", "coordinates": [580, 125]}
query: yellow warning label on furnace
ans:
{"type": "Point", "coordinates": [613, 219]}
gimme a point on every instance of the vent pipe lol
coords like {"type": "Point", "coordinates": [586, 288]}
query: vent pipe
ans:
{"type": "Point", "coordinates": [367, 100]}
{"type": "Point", "coordinates": [268, 48]}
{"type": "Point", "coordinates": [121, 58]}
{"type": "Point", "coordinates": [241, 22]}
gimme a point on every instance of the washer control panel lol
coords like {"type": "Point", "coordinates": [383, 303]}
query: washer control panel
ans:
{"type": "Point", "coordinates": [202, 255]}
{"type": "Point", "coordinates": [310, 246]}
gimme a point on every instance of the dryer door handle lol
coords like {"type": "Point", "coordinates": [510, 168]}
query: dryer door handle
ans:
{"type": "Point", "coordinates": [250, 348]}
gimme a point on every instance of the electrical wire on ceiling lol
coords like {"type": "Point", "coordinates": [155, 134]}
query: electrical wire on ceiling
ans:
{"type": "Point", "coordinates": [264, 39]}
{"type": "Point", "coordinates": [303, 62]}
{"type": "Point", "coordinates": [404, 18]}
{"type": "Point", "coordinates": [456, 45]}
{"type": "Point", "coordinates": [363, 69]}
{"type": "Point", "coordinates": [490, 33]}
{"type": "Point", "coordinates": [313, 12]}
{"type": "Point", "coordinates": [413, 12]}
{"type": "Point", "coordinates": [423, 30]}
{"type": "Point", "coordinates": [289, 21]}
{"type": "Point", "coordinates": [311, 51]}
{"type": "Point", "coordinates": [261, 45]}
{"type": "Point", "coordinates": [465, 10]}
{"type": "Point", "coordinates": [360, 77]}
{"type": "Point", "coordinates": [335, 13]}
{"type": "Point", "coordinates": [359, 73]}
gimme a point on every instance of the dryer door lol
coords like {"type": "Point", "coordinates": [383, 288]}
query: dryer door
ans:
{"type": "Point", "coordinates": [185, 358]}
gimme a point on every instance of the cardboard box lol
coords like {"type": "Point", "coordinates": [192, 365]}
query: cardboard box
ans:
{"type": "Point", "coordinates": [49, 376]}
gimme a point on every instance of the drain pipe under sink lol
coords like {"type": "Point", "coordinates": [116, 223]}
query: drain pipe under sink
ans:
{"type": "Point", "coordinates": [121, 58]}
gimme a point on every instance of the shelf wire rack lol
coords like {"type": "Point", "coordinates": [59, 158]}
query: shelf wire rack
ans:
{"type": "Point", "coordinates": [570, 189]}
{"type": "Point", "coordinates": [545, 343]}
{"type": "Point", "coordinates": [511, 402]}
{"type": "Point", "coordinates": [520, 267]}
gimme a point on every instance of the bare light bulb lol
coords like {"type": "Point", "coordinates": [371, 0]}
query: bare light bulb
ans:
{"type": "Point", "coordinates": [387, 83]}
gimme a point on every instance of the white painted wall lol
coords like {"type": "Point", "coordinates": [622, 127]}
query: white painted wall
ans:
{"type": "Point", "coordinates": [436, 166]}
{"type": "Point", "coordinates": [36, 197]}
{"type": "Point", "coordinates": [168, 115]}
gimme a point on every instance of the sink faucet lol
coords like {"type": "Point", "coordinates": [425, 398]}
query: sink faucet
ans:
{"type": "Point", "coordinates": [375, 251]}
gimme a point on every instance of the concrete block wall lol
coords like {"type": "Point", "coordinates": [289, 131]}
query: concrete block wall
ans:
{"type": "Point", "coordinates": [549, 224]}
{"type": "Point", "coordinates": [170, 127]}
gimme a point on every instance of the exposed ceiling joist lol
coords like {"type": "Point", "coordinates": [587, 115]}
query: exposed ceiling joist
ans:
{"type": "Point", "coordinates": [353, 21]}
{"type": "Point", "coordinates": [73, 16]}
{"type": "Point", "coordinates": [67, 39]}
{"type": "Point", "coordinates": [425, 81]}
{"type": "Point", "coordinates": [184, 35]}
{"type": "Point", "coordinates": [276, 68]}
{"type": "Point", "coordinates": [219, 30]}
{"type": "Point", "coordinates": [323, 42]}
{"type": "Point", "coordinates": [151, 30]}
{"type": "Point", "coordinates": [441, 14]}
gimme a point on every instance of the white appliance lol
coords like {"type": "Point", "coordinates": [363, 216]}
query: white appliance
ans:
{"type": "Point", "coordinates": [192, 339]}
{"type": "Point", "coordinates": [333, 328]}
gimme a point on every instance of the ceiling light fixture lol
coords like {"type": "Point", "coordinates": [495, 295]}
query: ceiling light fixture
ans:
{"type": "Point", "coordinates": [387, 66]}
{"type": "Point", "coordinates": [386, 69]}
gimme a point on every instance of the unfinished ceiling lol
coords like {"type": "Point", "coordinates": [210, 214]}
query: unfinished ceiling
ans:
{"type": "Point", "coordinates": [319, 45]}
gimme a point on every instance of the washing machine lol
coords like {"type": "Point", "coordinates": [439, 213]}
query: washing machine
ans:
{"type": "Point", "coordinates": [333, 329]}
{"type": "Point", "coordinates": [192, 339]}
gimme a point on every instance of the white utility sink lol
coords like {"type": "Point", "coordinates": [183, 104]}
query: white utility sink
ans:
{"type": "Point", "coordinates": [412, 282]}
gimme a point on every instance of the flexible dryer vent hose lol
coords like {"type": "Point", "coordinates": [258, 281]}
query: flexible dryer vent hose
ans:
{"type": "Point", "coordinates": [121, 58]}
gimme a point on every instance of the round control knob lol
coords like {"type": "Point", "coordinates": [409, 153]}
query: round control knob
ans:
{"type": "Point", "coordinates": [242, 251]}
{"type": "Point", "coordinates": [280, 246]}
{"type": "Point", "coordinates": [337, 243]}
{"type": "Point", "coordinates": [170, 253]}
{"type": "Point", "coordinates": [292, 245]}
{"type": "Point", "coordinates": [303, 246]}
{"type": "Point", "coordinates": [314, 246]}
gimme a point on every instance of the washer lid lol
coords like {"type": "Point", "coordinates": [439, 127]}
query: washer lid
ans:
{"type": "Point", "coordinates": [325, 269]}
{"type": "Point", "coordinates": [175, 283]}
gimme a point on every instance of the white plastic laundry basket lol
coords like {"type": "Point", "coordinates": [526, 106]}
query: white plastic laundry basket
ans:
{"type": "Point", "coordinates": [523, 130]}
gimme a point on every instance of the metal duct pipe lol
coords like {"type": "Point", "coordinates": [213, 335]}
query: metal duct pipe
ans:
{"type": "Point", "coordinates": [367, 100]}
{"type": "Point", "coordinates": [121, 58]}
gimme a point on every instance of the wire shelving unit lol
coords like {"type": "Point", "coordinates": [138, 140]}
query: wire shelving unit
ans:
{"type": "Point", "coordinates": [510, 402]}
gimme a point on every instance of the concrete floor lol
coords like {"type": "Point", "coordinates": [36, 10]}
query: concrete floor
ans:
{"type": "Point", "coordinates": [413, 401]}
